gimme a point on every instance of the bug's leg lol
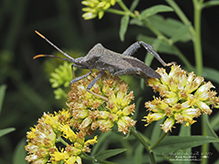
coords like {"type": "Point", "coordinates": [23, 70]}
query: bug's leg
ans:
{"type": "Point", "coordinates": [95, 94]}
{"type": "Point", "coordinates": [80, 77]}
{"type": "Point", "coordinates": [132, 49]}
{"type": "Point", "coordinates": [72, 71]}
{"type": "Point", "coordinates": [135, 46]}
{"type": "Point", "coordinates": [92, 84]}
{"type": "Point", "coordinates": [151, 50]}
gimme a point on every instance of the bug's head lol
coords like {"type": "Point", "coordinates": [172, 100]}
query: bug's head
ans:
{"type": "Point", "coordinates": [79, 61]}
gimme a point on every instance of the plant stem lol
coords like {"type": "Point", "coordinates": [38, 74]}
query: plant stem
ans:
{"type": "Point", "coordinates": [199, 63]}
{"type": "Point", "coordinates": [158, 141]}
{"type": "Point", "coordinates": [181, 15]}
{"type": "Point", "coordinates": [145, 144]}
{"type": "Point", "coordinates": [197, 41]}
{"type": "Point", "coordinates": [183, 58]}
{"type": "Point", "coordinates": [59, 139]}
{"type": "Point", "coordinates": [123, 6]}
{"type": "Point", "coordinates": [85, 156]}
{"type": "Point", "coordinates": [115, 11]}
{"type": "Point", "coordinates": [205, 147]}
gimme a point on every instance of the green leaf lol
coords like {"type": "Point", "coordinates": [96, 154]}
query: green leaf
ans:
{"type": "Point", "coordinates": [108, 153]}
{"type": "Point", "coordinates": [214, 122]}
{"type": "Point", "coordinates": [154, 10]}
{"type": "Point", "coordinates": [185, 131]}
{"type": "Point", "coordinates": [6, 131]}
{"type": "Point", "coordinates": [138, 157]}
{"type": "Point", "coordinates": [211, 74]}
{"type": "Point", "coordinates": [2, 95]}
{"type": "Point", "coordinates": [20, 153]}
{"type": "Point", "coordinates": [156, 133]}
{"type": "Point", "coordinates": [102, 143]}
{"type": "Point", "coordinates": [134, 5]}
{"type": "Point", "coordinates": [170, 27]}
{"type": "Point", "coordinates": [123, 27]}
{"type": "Point", "coordinates": [180, 34]}
{"type": "Point", "coordinates": [136, 22]}
{"type": "Point", "coordinates": [210, 131]}
{"type": "Point", "coordinates": [210, 3]}
{"type": "Point", "coordinates": [137, 108]}
{"type": "Point", "coordinates": [174, 143]}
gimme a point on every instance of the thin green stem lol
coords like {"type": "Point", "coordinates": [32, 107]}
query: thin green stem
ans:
{"type": "Point", "coordinates": [181, 15]}
{"type": "Point", "coordinates": [205, 147]}
{"type": "Point", "coordinates": [85, 156]}
{"type": "Point", "coordinates": [158, 141]}
{"type": "Point", "coordinates": [210, 4]}
{"type": "Point", "coordinates": [201, 1]}
{"type": "Point", "coordinates": [199, 63]}
{"type": "Point", "coordinates": [145, 144]}
{"type": "Point", "coordinates": [59, 139]}
{"type": "Point", "coordinates": [155, 30]}
{"type": "Point", "coordinates": [197, 41]}
{"type": "Point", "coordinates": [115, 11]}
{"type": "Point", "coordinates": [123, 6]}
{"type": "Point", "coordinates": [183, 58]}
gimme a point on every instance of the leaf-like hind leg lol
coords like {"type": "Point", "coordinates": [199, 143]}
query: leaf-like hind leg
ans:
{"type": "Point", "coordinates": [151, 50]}
{"type": "Point", "coordinates": [135, 46]}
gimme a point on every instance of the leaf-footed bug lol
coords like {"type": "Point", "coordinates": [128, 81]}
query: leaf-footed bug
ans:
{"type": "Point", "coordinates": [106, 60]}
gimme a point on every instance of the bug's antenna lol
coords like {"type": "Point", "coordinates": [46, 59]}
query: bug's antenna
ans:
{"type": "Point", "coordinates": [48, 41]}
{"type": "Point", "coordinates": [53, 56]}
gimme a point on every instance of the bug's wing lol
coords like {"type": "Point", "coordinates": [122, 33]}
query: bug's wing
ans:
{"type": "Point", "coordinates": [115, 60]}
{"type": "Point", "coordinates": [148, 71]}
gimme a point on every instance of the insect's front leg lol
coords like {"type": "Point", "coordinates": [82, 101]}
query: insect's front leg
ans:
{"type": "Point", "coordinates": [92, 84]}
{"type": "Point", "coordinates": [72, 70]}
{"type": "Point", "coordinates": [95, 94]}
{"type": "Point", "coordinates": [80, 77]}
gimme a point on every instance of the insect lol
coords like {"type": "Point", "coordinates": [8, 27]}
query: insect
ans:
{"type": "Point", "coordinates": [106, 60]}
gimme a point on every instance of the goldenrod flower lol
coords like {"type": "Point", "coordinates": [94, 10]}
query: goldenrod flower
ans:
{"type": "Point", "coordinates": [91, 112]}
{"type": "Point", "coordinates": [50, 130]}
{"type": "Point", "coordinates": [96, 8]}
{"type": "Point", "coordinates": [60, 79]}
{"type": "Point", "coordinates": [184, 96]}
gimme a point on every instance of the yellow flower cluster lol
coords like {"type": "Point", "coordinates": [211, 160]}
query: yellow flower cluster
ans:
{"type": "Point", "coordinates": [184, 96]}
{"type": "Point", "coordinates": [50, 130]}
{"type": "Point", "coordinates": [91, 112]}
{"type": "Point", "coordinates": [96, 8]}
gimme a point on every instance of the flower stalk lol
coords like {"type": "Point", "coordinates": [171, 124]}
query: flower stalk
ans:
{"type": "Point", "coordinates": [145, 144]}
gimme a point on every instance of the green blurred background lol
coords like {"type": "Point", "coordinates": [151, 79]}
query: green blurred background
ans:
{"type": "Point", "coordinates": [28, 92]}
